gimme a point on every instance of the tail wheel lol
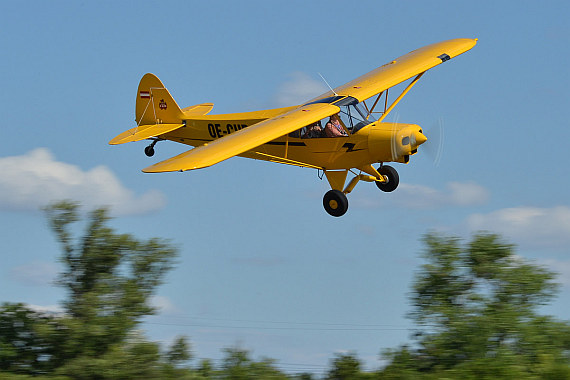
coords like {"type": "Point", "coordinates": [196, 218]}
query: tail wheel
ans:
{"type": "Point", "coordinates": [149, 151]}
{"type": "Point", "coordinates": [393, 179]}
{"type": "Point", "coordinates": [335, 203]}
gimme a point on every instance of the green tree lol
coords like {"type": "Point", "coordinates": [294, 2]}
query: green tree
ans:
{"type": "Point", "coordinates": [179, 352]}
{"type": "Point", "coordinates": [344, 367]}
{"type": "Point", "coordinates": [476, 308]}
{"type": "Point", "coordinates": [29, 340]}
{"type": "Point", "coordinates": [347, 367]}
{"type": "Point", "coordinates": [205, 369]}
{"type": "Point", "coordinates": [237, 365]}
{"type": "Point", "coordinates": [109, 278]}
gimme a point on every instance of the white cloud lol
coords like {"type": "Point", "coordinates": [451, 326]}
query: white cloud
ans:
{"type": "Point", "coordinates": [466, 194]}
{"type": "Point", "coordinates": [299, 89]}
{"type": "Point", "coordinates": [163, 304]}
{"type": "Point", "coordinates": [36, 179]}
{"type": "Point", "coordinates": [528, 225]}
{"type": "Point", "coordinates": [424, 197]}
{"type": "Point", "coordinates": [37, 273]}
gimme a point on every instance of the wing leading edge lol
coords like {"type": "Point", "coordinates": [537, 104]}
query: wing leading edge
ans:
{"type": "Point", "coordinates": [245, 139]}
{"type": "Point", "coordinates": [402, 69]}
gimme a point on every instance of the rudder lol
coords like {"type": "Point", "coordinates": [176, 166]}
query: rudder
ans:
{"type": "Point", "coordinates": [154, 103]}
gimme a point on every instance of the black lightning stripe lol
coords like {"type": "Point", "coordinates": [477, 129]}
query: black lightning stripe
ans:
{"type": "Point", "coordinates": [350, 147]}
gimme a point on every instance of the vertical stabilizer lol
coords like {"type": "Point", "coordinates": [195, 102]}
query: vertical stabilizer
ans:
{"type": "Point", "coordinates": [154, 103]}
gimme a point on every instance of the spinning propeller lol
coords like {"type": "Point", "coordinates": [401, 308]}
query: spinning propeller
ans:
{"type": "Point", "coordinates": [431, 140]}
{"type": "Point", "coordinates": [434, 146]}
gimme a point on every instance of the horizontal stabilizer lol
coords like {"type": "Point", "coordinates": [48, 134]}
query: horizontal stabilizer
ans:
{"type": "Point", "coordinates": [143, 132]}
{"type": "Point", "coordinates": [198, 109]}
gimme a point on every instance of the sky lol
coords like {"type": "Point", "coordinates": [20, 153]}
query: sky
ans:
{"type": "Point", "coordinates": [261, 264]}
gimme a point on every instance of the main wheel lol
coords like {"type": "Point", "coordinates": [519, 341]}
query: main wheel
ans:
{"type": "Point", "coordinates": [393, 178]}
{"type": "Point", "coordinates": [335, 203]}
{"type": "Point", "coordinates": [149, 151]}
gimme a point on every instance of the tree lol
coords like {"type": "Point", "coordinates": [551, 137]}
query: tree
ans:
{"type": "Point", "coordinates": [179, 352]}
{"type": "Point", "coordinates": [347, 367]}
{"type": "Point", "coordinates": [344, 367]}
{"type": "Point", "coordinates": [476, 308]}
{"type": "Point", "coordinates": [205, 369]}
{"type": "Point", "coordinates": [109, 278]}
{"type": "Point", "coordinates": [29, 340]}
{"type": "Point", "coordinates": [238, 365]}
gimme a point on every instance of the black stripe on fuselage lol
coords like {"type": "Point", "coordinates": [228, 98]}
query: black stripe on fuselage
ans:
{"type": "Point", "coordinates": [290, 143]}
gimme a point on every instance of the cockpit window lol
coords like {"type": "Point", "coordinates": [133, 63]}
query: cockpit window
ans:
{"type": "Point", "coordinates": [346, 101]}
{"type": "Point", "coordinates": [329, 100]}
{"type": "Point", "coordinates": [355, 115]}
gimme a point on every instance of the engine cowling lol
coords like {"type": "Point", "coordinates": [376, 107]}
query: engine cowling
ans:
{"type": "Point", "coordinates": [394, 142]}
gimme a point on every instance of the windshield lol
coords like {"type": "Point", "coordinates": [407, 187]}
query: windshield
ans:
{"type": "Point", "coordinates": [329, 100]}
{"type": "Point", "coordinates": [355, 117]}
{"type": "Point", "coordinates": [353, 114]}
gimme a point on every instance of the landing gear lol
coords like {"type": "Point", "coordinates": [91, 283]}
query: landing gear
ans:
{"type": "Point", "coordinates": [335, 202]}
{"type": "Point", "coordinates": [393, 179]}
{"type": "Point", "coordinates": [149, 150]}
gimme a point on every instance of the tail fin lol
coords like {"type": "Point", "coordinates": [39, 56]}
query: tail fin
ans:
{"type": "Point", "coordinates": [154, 103]}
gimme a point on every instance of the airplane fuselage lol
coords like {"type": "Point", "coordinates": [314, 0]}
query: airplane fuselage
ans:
{"type": "Point", "coordinates": [375, 142]}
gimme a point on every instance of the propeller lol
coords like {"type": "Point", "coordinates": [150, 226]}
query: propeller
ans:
{"type": "Point", "coordinates": [393, 143]}
{"type": "Point", "coordinates": [434, 145]}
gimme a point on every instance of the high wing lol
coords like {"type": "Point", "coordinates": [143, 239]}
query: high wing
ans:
{"type": "Point", "coordinates": [245, 139]}
{"type": "Point", "coordinates": [362, 88]}
{"type": "Point", "coordinates": [402, 69]}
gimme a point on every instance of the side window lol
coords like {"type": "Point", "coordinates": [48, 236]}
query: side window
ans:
{"type": "Point", "coordinates": [297, 134]}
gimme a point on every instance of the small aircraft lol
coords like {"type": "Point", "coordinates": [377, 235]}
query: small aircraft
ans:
{"type": "Point", "coordinates": [351, 141]}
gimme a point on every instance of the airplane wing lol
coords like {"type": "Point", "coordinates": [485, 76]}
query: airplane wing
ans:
{"type": "Point", "coordinates": [245, 139]}
{"type": "Point", "coordinates": [362, 88]}
{"type": "Point", "coordinates": [402, 68]}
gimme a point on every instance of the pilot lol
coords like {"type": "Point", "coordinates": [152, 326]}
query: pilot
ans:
{"type": "Point", "coordinates": [313, 130]}
{"type": "Point", "coordinates": [333, 128]}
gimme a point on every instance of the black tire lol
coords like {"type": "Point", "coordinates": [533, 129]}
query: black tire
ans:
{"type": "Point", "coordinates": [149, 151]}
{"type": "Point", "coordinates": [393, 179]}
{"type": "Point", "coordinates": [335, 203]}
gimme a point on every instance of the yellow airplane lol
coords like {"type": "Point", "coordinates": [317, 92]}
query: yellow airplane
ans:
{"type": "Point", "coordinates": [350, 141]}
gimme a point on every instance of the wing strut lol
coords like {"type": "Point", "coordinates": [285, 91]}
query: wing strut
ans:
{"type": "Point", "coordinates": [408, 88]}
{"type": "Point", "coordinates": [371, 110]}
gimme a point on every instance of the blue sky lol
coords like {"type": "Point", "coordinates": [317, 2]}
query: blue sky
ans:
{"type": "Point", "coordinates": [262, 265]}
